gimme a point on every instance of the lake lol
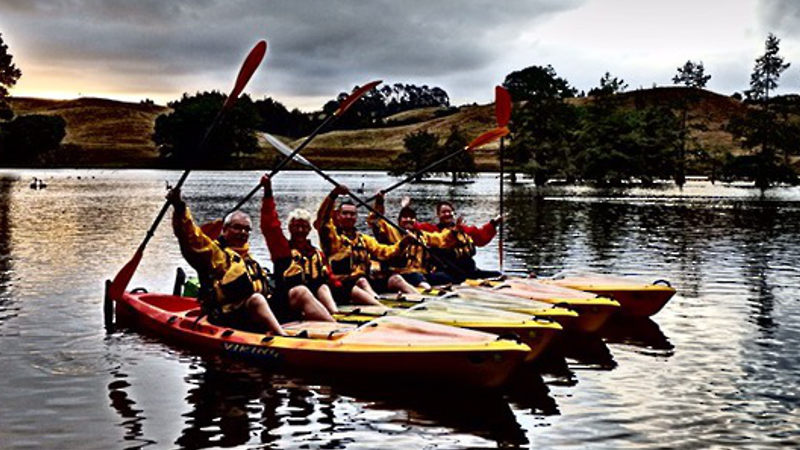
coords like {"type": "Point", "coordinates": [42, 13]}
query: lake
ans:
{"type": "Point", "coordinates": [718, 366]}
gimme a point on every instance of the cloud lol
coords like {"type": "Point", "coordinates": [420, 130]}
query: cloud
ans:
{"type": "Point", "coordinates": [317, 47]}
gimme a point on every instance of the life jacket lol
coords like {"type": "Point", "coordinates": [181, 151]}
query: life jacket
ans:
{"type": "Point", "coordinates": [414, 258]}
{"type": "Point", "coordinates": [243, 277]}
{"type": "Point", "coordinates": [306, 269]}
{"type": "Point", "coordinates": [352, 259]}
{"type": "Point", "coordinates": [464, 247]}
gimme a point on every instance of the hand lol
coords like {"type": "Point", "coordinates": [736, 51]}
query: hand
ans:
{"type": "Point", "coordinates": [266, 182]}
{"type": "Point", "coordinates": [340, 189]}
{"type": "Point", "coordinates": [405, 201]}
{"type": "Point", "coordinates": [380, 197]}
{"type": "Point", "coordinates": [459, 221]}
{"type": "Point", "coordinates": [174, 197]}
{"type": "Point", "coordinates": [408, 240]}
{"type": "Point", "coordinates": [497, 220]}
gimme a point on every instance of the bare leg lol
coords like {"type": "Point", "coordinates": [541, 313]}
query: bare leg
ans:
{"type": "Point", "coordinates": [301, 299]}
{"type": "Point", "coordinates": [325, 297]}
{"type": "Point", "coordinates": [361, 297]}
{"type": "Point", "coordinates": [259, 309]}
{"type": "Point", "coordinates": [363, 283]}
{"type": "Point", "coordinates": [399, 284]}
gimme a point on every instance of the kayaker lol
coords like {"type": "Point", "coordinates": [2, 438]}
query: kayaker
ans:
{"type": "Point", "coordinates": [414, 264]}
{"type": "Point", "coordinates": [350, 252]}
{"type": "Point", "coordinates": [300, 268]}
{"type": "Point", "coordinates": [233, 287]}
{"type": "Point", "coordinates": [461, 264]}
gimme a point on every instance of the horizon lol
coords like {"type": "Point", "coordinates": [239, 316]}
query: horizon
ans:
{"type": "Point", "coordinates": [149, 50]}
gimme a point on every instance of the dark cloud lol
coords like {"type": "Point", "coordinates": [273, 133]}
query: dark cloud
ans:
{"type": "Point", "coordinates": [316, 46]}
{"type": "Point", "coordinates": [781, 17]}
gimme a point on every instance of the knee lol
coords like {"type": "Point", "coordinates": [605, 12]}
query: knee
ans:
{"type": "Point", "coordinates": [362, 283]}
{"type": "Point", "coordinates": [299, 294]}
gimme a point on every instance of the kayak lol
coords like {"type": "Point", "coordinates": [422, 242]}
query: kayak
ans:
{"type": "Point", "coordinates": [389, 346]}
{"type": "Point", "coordinates": [467, 296]}
{"type": "Point", "coordinates": [593, 310]}
{"type": "Point", "coordinates": [536, 333]}
{"type": "Point", "coordinates": [637, 298]}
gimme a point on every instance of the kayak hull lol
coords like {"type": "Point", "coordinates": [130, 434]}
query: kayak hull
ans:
{"type": "Point", "coordinates": [636, 299]}
{"type": "Point", "coordinates": [442, 354]}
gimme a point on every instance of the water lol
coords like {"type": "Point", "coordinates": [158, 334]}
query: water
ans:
{"type": "Point", "coordinates": [717, 367]}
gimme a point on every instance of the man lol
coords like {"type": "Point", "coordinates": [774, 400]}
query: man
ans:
{"type": "Point", "coordinates": [415, 263]}
{"type": "Point", "coordinates": [460, 263]}
{"type": "Point", "coordinates": [300, 268]}
{"type": "Point", "coordinates": [350, 252]}
{"type": "Point", "coordinates": [233, 286]}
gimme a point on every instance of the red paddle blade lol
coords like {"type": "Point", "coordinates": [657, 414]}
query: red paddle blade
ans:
{"type": "Point", "coordinates": [212, 229]}
{"type": "Point", "coordinates": [355, 96]}
{"type": "Point", "coordinates": [487, 137]}
{"type": "Point", "coordinates": [124, 276]}
{"type": "Point", "coordinates": [246, 72]}
{"type": "Point", "coordinates": [502, 106]}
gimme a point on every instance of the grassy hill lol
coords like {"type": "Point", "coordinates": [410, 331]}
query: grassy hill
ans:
{"type": "Point", "coordinates": [107, 133]}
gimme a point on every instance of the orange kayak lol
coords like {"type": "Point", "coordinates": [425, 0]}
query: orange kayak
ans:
{"type": "Point", "coordinates": [636, 297]}
{"type": "Point", "coordinates": [390, 346]}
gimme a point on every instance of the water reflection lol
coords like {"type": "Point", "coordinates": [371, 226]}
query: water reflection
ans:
{"type": "Point", "coordinates": [6, 267]}
{"type": "Point", "coordinates": [232, 404]}
{"type": "Point", "coordinates": [640, 332]}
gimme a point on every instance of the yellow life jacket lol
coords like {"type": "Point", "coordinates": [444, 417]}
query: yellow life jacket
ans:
{"type": "Point", "coordinates": [306, 269]}
{"type": "Point", "coordinates": [464, 247]}
{"type": "Point", "coordinates": [352, 259]}
{"type": "Point", "coordinates": [242, 278]}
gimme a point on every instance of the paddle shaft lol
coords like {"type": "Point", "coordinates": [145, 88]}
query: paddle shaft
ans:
{"type": "Point", "coordinates": [420, 172]}
{"type": "Point", "coordinates": [284, 162]}
{"type": "Point", "coordinates": [500, 231]}
{"type": "Point", "coordinates": [183, 177]}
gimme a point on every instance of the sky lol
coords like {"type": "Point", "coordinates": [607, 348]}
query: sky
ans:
{"type": "Point", "coordinates": [159, 49]}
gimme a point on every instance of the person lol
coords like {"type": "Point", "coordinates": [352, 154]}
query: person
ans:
{"type": "Point", "coordinates": [414, 264]}
{"type": "Point", "coordinates": [300, 268]}
{"type": "Point", "coordinates": [233, 287]}
{"type": "Point", "coordinates": [350, 252]}
{"type": "Point", "coordinates": [460, 258]}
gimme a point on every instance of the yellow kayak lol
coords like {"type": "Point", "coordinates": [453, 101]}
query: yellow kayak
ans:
{"type": "Point", "coordinates": [593, 311]}
{"type": "Point", "coordinates": [536, 333]}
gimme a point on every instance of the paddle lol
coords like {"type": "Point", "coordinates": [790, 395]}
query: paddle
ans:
{"type": "Point", "coordinates": [212, 229]}
{"type": "Point", "coordinates": [251, 63]}
{"type": "Point", "coordinates": [502, 113]}
{"type": "Point", "coordinates": [483, 139]}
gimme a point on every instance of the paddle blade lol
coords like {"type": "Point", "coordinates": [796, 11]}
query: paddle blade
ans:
{"type": "Point", "coordinates": [346, 103]}
{"type": "Point", "coordinates": [283, 148]}
{"type": "Point", "coordinates": [502, 106]}
{"type": "Point", "coordinates": [124, 276]}
{"type": "Point", "coordinates": [212, 229]}
{"type": "Point", "coordinates": [246, 72]}
{"type": "Point", "coordinates": [487, 137]}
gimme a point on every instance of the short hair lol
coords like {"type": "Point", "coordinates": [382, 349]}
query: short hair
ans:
{"type": "Point", "coordinates": [229, 218]}
{"type": "Point", "coordinates": [407, 211]}
{"type": "Point", "coordinates": [443, 203]}
{"type": "Point", "coordinates": [299, 214]}
{"type": "Point", "coordinates": [346, 202]}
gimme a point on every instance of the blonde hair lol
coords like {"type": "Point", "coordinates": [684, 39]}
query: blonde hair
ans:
{"type": "Point", "coordinates": [299, 214]}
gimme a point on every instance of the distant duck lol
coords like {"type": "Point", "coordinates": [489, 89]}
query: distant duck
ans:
{"type": "Point", "coordinates": [38, 184]}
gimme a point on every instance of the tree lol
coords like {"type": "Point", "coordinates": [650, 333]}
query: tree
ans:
{"type": "Point", "coordinates": [179, 133]}
{"type": "Point", "coordinates": [419, 149]}
{"type": "Point", "coordinates": [543, 125]}
{"type": "Point", "coordinates": [762, 130]}
{"type": "Point", "coordinates": [691, 75]}
{"type": "Point", "coordinates": [31, 139]}
{"type": "Point", "coordinates": [463, 165]}
{"type": "Point", "coordinates": [9, 73]}
{"type": "Point", "coordinates": [608, 86]}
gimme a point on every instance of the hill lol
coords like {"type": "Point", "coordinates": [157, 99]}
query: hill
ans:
{"type": "Point", "coordinates": [105, 133]}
